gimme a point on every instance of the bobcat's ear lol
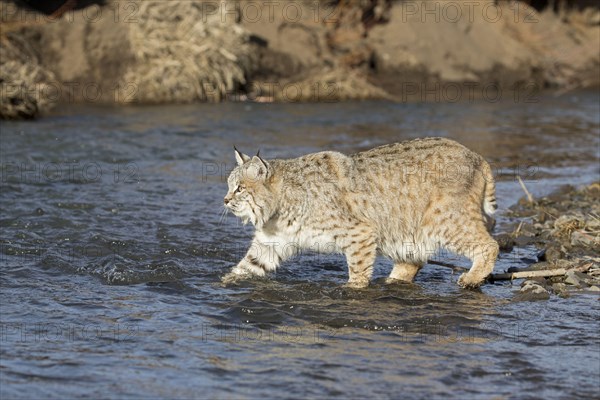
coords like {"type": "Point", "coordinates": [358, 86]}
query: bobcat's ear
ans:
{"type": "Point", "coordinates": [264, 168]}
{"type": "Point", "coordinates": [241, 158]}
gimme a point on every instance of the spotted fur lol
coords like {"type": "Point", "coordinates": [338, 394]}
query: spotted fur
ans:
{"type": "Point", "coordinates": [404, 201]}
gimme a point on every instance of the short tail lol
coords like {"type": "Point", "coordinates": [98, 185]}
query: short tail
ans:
{"type": "Point", "coordinates": [489, 191]}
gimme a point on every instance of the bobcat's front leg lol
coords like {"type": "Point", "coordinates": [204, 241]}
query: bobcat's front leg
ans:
{"type": "Point", "coordinates": [260, 259]}
{"type": "Point", "coordinates": [360, 250]}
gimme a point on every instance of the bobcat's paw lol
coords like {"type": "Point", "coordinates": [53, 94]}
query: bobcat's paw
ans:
{"type": "Point", "coordinates": [395, 281]}
{"type": "Point", "coordinates": [357, 284]}
{"type": "Point", "coordinates": [467, 281]}
{"type": "Point", "coordinates": [229, 278]}
{"type": "Point", "coordinates": [233, 276]}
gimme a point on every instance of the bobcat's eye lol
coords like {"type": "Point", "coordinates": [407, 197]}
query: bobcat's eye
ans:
{"type": "Point", "coordinates": [239, 189]}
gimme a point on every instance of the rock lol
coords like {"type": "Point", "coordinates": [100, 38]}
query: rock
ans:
{"type": "Point", "coordinates": [527, 230]}
{"type": "Point", "coordinates": [552, 253]}
{"type": "Point", "coordinates": [536, 280]}
{"type": "Point", "coordinates": [560, 289]}
{"type": "Point", "coordinates": [591, 280]}
{"type": "Point", "coordinates": [594, 271]}
{"type": "Point", "coordinates": [523, 240]}
{"type": "Point", "coordinates": [505, 242]}
{"type": "Point", "coordinates": [532, 291]}
{"type": "Point", "coordinates": [545, 235]}
{"type": "Point", "coordinates": [526, 234]}
{"type": "Point", "coordinates": [566, 264]}
{"type": "Point", "coordinates": [592, 224]}
{"type": "Point", "coordinates": [571, 279]}
{"type": "Point", "coordinates": [533, 267]}
{"type": "Point", "coordinates": [584, 277]}
{"type": "Point", "coordinates": [576, 278]}
{"type": "Point", "coordinates": [580, 238]}
{"type": "Point", "coordinates": [593, 289]}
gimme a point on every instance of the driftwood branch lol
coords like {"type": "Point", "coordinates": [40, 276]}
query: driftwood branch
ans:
{"type": "Point", "coordinates": [509, 276]}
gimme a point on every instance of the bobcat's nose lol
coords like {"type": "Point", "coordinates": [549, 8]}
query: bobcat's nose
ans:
{"type": "Point", "coordinates": [226, 200]}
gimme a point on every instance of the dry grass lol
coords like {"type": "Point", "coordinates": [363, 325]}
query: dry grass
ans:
{"type": "Point", "coordinates": [585, 224]}
{"type": "Point", "coordinates": [327, 86]}
{"type": "Point", "coordinates": [568, 219]}
{"type": "Point", "coordinates": [183, 55]}
{"type": "Point", "coordinates": [25, 86]}
{"type": "Point", "coordinates": [565, 225]}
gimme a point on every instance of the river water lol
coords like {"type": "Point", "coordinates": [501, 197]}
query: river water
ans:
{"type": "Point", "coordinates": [113, 243]}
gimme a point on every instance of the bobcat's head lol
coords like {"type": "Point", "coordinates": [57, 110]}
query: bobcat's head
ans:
{"type": "Point", "coordinates": [249, 196]}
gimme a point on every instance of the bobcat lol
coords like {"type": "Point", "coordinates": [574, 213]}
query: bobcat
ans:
{"type": "Point", "coordinates": [404, 200]}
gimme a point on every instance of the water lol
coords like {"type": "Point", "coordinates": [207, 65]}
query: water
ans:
{"type": "Point", "coordinates": [113, 246]}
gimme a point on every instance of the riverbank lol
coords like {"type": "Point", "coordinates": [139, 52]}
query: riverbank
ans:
{"type": "Point", "coordinates": [302, 51]}
{"type": "Point", "coordinates": [565, 227]}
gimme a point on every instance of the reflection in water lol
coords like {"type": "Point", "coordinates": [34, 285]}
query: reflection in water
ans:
{"type": "Point", "coordinates": [113, 244]}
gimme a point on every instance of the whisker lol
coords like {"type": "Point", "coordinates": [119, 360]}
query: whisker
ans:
{"type": "Point", "coordinates": [223, 213]}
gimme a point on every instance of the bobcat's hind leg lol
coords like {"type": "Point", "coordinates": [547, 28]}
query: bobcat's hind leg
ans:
{"type": "Point", "coordinates": [463, 231]}
{"type": "Point", "coordinates": [475, 243]}
{"type": "Point", "coordinates": [484, 257]}
{"type": "Point", "coordinates": [403, 271]}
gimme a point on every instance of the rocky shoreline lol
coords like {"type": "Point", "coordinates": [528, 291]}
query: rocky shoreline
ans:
{"type": "Point", "coordinates": [565, 227]}
{"type": "Point", "coordinates": [300, 51]}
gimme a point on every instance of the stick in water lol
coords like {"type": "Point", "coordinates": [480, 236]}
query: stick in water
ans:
{"type": "Point", "coordinates": [509, 276]}
{"type": "Point", "coordinates": [529, 196]}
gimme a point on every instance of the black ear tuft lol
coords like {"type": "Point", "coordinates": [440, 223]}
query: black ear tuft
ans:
{"type": "Point", "coordinates": [264, 166]}
{"type": "Point", "coordinates": [240, 157]}
{"type": "Point", "coordinates": [263, 162]}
